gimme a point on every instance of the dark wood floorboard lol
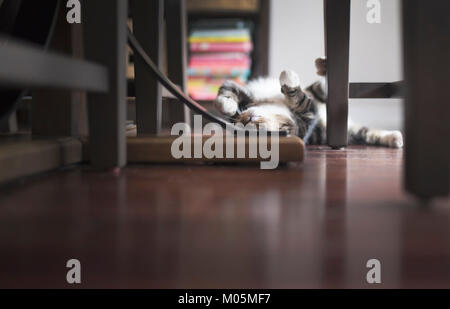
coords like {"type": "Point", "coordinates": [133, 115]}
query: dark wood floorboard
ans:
{"type": "Point", "coordinates": [310, 225]}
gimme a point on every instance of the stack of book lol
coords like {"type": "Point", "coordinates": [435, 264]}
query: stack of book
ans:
{"type": "Point", "coordinates": [217, 54]}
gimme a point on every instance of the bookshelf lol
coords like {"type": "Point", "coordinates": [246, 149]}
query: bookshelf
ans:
{"type": "Point", "coordinates": [255, 12]}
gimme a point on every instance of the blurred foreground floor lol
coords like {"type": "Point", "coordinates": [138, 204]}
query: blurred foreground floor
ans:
{"type": "Point", "coordinates": [311, 225]}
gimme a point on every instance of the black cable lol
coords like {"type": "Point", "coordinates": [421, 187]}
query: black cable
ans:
{"type": "Point", "coordinates": [172, 88]}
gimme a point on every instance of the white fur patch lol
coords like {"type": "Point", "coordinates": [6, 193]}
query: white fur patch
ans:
{"type": "Point", "coordinates": [265, 88]}
{"type": "Point", "coordinates": [324, 86]}
{"type": "Point", "coordinates": [393, 139]}
{"type": "Point", "coordinates": [289, 78]}
{"type": "Point", "coordinates": [226, 105]}
{"type": "Point", "coordinates": [322, 112]}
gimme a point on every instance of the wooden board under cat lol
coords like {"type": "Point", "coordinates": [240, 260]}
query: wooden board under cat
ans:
{"type": "Point", "coordinates": [158, 149]}
{"type": "Point", "coordinates": [23, 156]}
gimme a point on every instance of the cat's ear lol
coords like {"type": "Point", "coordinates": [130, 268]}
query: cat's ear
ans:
{"type": "Point", "coordinates": [321, 66]}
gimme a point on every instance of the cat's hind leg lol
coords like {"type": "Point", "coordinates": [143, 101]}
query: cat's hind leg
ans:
{"type": "Point", "coordinates": [361, 135]}
{"type": "Point", "coordinates": [290, 87]}
{"type": "Point", "coordinates": [296, 99]}
{"type": "Point", "coordinates": [231, 97]}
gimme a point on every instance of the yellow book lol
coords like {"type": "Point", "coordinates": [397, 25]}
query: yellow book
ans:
{"type": "Point", "coordinates": [230, 39]}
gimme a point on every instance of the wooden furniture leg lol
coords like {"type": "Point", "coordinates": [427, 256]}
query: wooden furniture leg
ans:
{"type": "Point", "coordinates": [148, 28]}
{"type": "Point", "coordinates": [176, 23]}
{"type": "Point", "coordinates": [427, 111]}
{"type": "Point", "coordinates": [58, 112]}
{"type": "Point", "coordinates": [262, 39]}
{"type": "Point", "coordinates": [105, 33]}
{"type": "Point", "coordinates": [337, 43]}
{"type": "Point", "coordinates": [9, 125]}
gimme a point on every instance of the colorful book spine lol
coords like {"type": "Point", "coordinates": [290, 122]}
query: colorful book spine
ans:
{"type": "Point", "coordinates": [217, 55]}
{"type": "Point", "coordinates": [195, 62]}
{"type": "Point", "coordinates": [221, 33]}
{"type": "Point", "coordinates": [228, 39]}
{"type": "Point", "coordinates": [222, 71]}
{"type": "Point", "coordinates": [244, 47]}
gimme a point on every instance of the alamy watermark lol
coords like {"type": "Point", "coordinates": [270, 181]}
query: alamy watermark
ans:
{"type": "Point", "coordinates": [220, 143]}
{"type": "Point", "coordinates": [74, 274]}
{"type": "Point", "coordinates": [374, 274]}
{"type": "Point", "coordinates": [74, 13]}
{"type": "Point", "coordinates": [374, 13]}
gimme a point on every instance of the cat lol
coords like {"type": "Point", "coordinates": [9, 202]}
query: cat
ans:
{"type": "Point", "coordinates": [282, 105]}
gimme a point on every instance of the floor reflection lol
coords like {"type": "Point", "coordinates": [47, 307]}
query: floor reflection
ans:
{"type": "Point", "coordinates": [334, 223]}
{"type": "Point", "coordinates": [310, 225]}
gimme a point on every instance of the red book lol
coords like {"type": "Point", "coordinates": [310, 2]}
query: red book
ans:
{"type": "Point", "coordinates": [231, 63]}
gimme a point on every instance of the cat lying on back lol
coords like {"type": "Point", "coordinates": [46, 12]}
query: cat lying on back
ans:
{"type": "Point", "coordinates": [282, 105]}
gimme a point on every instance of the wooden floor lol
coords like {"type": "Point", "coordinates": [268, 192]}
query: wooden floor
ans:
{"type": "Point", "coordinates": [310, 225]}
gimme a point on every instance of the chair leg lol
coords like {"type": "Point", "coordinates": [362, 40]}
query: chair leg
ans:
{"type": "Point", "coordinates": [105, 23]}
{"type": "Point", "coordinates": [427, 109]}
{"type": "Point", "coordinates": [337, 43]}
{"type": "Point", "coordinates": [59, 112]}
{"type": "Point", "coordinates": [176, 21]}
{"type": "Point", "coordinates": [9, 125]}
{"type": "Point", "coordinates": [148, 28]}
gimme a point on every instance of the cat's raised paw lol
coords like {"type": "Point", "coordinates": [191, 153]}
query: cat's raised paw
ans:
{"type": "Point", "coordinates": [321, 66]}
{"type": "Point", "coordinates": [289, 79]}
{"type": "Point", "coordinates": [226, 105]}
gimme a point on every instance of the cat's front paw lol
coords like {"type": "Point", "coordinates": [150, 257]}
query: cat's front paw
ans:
{"type": "Point", "coordinates": [226, 105]}
{"type": "Point", "coordinates": [289, 82]}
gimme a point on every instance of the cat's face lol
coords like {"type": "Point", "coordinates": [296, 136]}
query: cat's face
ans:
{"type": "Point", "coordinates": [270, 117]}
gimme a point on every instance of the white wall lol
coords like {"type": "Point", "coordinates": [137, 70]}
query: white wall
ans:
{"type": "Point", "coordinates": [297, 39]}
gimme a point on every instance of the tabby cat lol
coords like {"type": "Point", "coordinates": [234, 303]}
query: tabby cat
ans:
{"type": "Point", "coordinates": [290, 108]}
